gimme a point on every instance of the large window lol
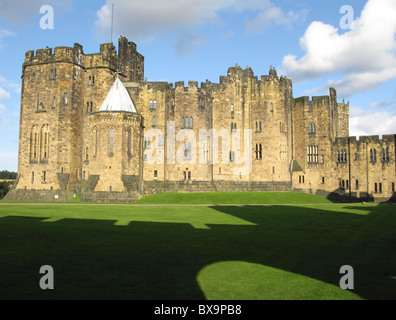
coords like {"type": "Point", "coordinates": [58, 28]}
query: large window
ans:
{"type": "Point", "coordinates": [312, 154]}
{"type": "Point", "coordinates": [342, 156]}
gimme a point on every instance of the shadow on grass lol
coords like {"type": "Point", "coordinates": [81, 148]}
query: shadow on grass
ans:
{"type": "Point", "coordinates": [95, 259]}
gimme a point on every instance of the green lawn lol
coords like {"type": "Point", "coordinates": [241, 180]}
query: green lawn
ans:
{"type": "Point", "coordinates": [186, 252]}
{"type": "Point", "coordinates": [233, 198]}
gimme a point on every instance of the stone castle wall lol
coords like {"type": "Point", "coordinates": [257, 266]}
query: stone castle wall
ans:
{"type": "Point", "coordinates": [295, 143]}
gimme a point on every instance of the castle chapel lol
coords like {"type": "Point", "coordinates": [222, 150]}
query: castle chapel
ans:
{"type": "Point", "coordinates": [92, 124]}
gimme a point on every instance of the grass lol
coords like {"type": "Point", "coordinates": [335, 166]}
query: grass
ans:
{"type": "Point", "coordinates": [232, 198]}
{"type": "Point", "coordinates": [214, 252]}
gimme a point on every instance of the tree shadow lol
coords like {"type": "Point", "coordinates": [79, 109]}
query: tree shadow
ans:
{"type": "Point", "coordinates": [160, 261]}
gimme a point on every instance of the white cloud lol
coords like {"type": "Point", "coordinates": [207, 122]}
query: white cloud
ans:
{"type": "Point", "coordinates": [365, 54]}
{"type": "Point", "coordinates": [362, 123]}
{"type": "Point", "coordinates": [3, 116]}
{"type": "Point", "coordinates": [273, 15]}
{"type": "Point", "coordinates": [148, 18]}
{"type": "Point", "coordinates": [4, 94]}
{"type": "Point", "coordinates": [4, 34]}
{"type": "Point", "coordinates": [23, 10]}
{"type": "Point", "coordinates": [9, 84]}
{"type": "Point", "coordinates": [188, 43]}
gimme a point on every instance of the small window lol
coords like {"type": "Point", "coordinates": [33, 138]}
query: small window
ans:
{"type": "Point", "coordinates": [32, 177]}
{"type": "Point", "coordinates": [44, 176]}
{"type": "Point", "coordinates": [65, 98]}
{"type": "Point", "coordinates": [191, 122]}
{"type": "Point", "coordinates": [232, 108]}
{"type": "Point", "coordinates": [154, 121]}
{"type": "Point", "coordinates": [271, 107]}
{"type": "Point", "coordinates": [380, 187]}
{"type": "Point", "coordinates": [323, 180]}
{"type": "Point", "coordinates": [34, 77]}
{"type": "Point", "coordinates": [155, 174]}
{"type": "Point", "coordinates": [183, 123]}
{"type": "Point", "coordinates": [357, 184]}
{"type": "Point", "coordinates": [393, 187]}
{"type": "Point", "coordinates": [375, 188]}
{"type": "Point", "coordinates": [184, 175]}
{"type": "Point", "coordinates": [189, 175]}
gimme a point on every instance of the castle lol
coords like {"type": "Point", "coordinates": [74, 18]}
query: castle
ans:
{"type": "Point", "coordinates": [92, 124]}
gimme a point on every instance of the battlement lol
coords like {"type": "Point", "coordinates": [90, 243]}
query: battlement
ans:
{"type": "Point", "coordinates": [128, 61]}
{"type": "Point", "coordinates": [389, 138]}
{"type": "Point", "coordinates": [370, 140]}
{"type": "Point", "coordinates": [59, 54]}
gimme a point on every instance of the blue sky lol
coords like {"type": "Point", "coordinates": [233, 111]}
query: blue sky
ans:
{"type": "Point", "coordinates": [196, 40]}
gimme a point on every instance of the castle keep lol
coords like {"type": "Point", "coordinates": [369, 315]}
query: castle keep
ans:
{"type": "Point", "coordinates": [91, 124]}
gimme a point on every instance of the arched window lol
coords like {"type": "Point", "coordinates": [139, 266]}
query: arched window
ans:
{"type": "Point", "coordinates": [191, 122]}
{"type": "Point", "coordinates": [155, 104]}
{"type": "Point", "coordinates": [111, 141]}
{"type": "Point", "coordinates": [46, 142]}
{"type": "Point", "coordinates": [183, 123]}
{"type": "Point", "coordinates": [232, 108]}
{"type": "Point", "coordinates": [33, 143]}
{"type": "Point", "coordinates": [154, 121]}
{"type": "Point", "coordinates": [260, 151]}
{"type": "Point", "coordinates": [272, 107]}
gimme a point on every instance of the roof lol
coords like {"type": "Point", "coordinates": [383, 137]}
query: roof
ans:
{"type": "Point", "coordinates": [118, 99]}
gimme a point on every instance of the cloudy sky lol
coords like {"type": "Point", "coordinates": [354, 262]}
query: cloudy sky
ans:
{"type": "Point", "coordinates": [318, 43]}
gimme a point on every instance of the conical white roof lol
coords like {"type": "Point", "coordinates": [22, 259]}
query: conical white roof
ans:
{"type": "Point", "coordinates": [118, 99]}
